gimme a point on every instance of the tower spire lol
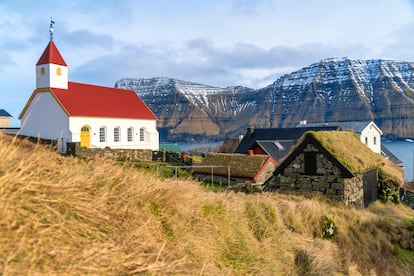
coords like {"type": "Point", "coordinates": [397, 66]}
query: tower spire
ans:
{"type": "Point", "coordinates": [51, 28]}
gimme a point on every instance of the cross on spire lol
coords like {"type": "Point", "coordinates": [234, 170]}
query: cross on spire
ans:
{"type": "Point", "coordinates": [51, 28]}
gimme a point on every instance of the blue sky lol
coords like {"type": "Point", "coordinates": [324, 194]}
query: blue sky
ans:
{"type": "Point", "coordinates": [214, 42]}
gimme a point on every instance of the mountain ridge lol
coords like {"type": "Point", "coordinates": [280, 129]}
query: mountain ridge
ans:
{"type": "Point", "coordinates": [334, 89]}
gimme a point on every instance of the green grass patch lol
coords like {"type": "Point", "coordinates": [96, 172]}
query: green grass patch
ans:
{"type": "Point", "coordinates": [214, 187]}
{"type": "Point", "coordinates": [406, 257]}
{"type": "Point", "coordinates": [216, 210]}
{"type": "Point", "coordinates": [236, 254]}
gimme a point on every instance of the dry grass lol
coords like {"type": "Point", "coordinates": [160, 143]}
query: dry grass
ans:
{"type": "Point", "coordinates": [66, 216]}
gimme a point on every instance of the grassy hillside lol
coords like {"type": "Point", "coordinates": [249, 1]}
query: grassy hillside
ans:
{"type": "Point", "coordinates": [61, 215]}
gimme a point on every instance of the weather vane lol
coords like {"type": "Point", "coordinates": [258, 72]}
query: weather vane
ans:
{"type": "Point", "coordinates": [51, 28]}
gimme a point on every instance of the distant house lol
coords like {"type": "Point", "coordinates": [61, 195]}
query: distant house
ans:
{"type": "Point", "coordinates": [238, 168]}
{"type": "Point", "coordinates": [95, 116]}
{"type": "Point", "coordinates": [5, 119]}
{"type": "Point", "coordinates": [275, 142]}
{"type": "Point", "coordinates": [171, 147]}
{"type": "Point", "coordinates": [368, 132]}
{"type": "Point", "coordinates": [335, 164]}
{"type": "Point", "coordinates": [391, 156]}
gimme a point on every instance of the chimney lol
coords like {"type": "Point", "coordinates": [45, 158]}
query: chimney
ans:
{"type": "Point", "coordinates": [302, 123]}
{"type": "Point", "coordinates": [250, 131]}
{"type": "Point", "coordinates": [250, 153]}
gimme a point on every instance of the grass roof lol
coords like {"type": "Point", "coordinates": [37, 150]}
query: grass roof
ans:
{"type": "Point", "coordinates": [241, 165]}
{"type": "Point", "coordinates": [353, 154]}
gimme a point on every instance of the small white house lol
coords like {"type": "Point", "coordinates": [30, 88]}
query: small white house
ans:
{"type": "Point", "coordinates": [95, 116]}
{"type": "Point", "coordinates": [5, 119]}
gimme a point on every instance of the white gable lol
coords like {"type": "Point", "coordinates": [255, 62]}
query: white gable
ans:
{"type": "Point", "coordinates": [371, 136]}
{"type": "Point", "coordinates": [45, 118]}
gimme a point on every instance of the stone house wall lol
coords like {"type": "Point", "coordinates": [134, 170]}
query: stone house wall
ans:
{"type": "Point", "coordinates": [266, 174]}
{"type": "Point", "coordinates": [328, 179]}
{"type": "Point", "coordinates": [354, 191]}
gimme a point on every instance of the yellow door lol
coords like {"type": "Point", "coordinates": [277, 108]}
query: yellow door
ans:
{"type": "Point", "coordinates": [85, 137]}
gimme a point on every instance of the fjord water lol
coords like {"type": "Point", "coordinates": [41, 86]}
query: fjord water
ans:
{"type": "Point", "coordinates": [404, 150]}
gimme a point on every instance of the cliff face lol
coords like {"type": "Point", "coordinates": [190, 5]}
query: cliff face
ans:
{"type": "Point", "coordinates": [189, 111]}
{"type": "Point", "coordinates": [331, 90]}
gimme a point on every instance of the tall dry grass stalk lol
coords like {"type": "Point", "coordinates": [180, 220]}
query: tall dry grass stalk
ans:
{"type": "Point", "coordinates": [61, 215]}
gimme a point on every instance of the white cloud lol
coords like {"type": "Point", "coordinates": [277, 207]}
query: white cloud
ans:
{"type": "Point", "coordinates": [216, 42]}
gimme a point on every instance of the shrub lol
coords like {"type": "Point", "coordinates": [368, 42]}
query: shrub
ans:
{"type": "Point", "coordinates": [328, 228]}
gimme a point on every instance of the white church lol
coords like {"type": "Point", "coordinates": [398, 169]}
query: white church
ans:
{"type": "Point", "coordinates": [95, 116]}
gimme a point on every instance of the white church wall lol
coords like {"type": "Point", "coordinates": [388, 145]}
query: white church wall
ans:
{"type": "Point", "coordinates": [151, 136]}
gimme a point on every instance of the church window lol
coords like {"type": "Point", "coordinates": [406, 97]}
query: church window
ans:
{"type": "Point", "coordinates": [58, 72]}
{"type": "Point", "coordinates": [142, 134]}
{"type": "Point", "coordinates": [130, 133]}
{"type": "Point", "coordinates": [102, 134]}
{"type": "Point", "coordinates": [116, 134]}
{"type": "Point", "coordinates": [42, 71]}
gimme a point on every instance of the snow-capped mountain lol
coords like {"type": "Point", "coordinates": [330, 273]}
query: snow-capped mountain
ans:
{"type": "Point", "coordinates": [189, 110]}
{"type": "Point", "coordinates": [330, 90]}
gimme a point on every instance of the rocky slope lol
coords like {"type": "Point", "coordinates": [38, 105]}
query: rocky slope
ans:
{"type": "Point", "coordinates": [330, 90]}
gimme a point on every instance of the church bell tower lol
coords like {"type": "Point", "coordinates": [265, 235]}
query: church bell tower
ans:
{"type": "Point", "coordinates": [51, 69]}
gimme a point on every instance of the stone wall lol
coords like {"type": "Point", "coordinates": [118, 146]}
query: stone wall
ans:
{"type": "Point", "coordinates": [134, 155]}
{"type": "Point", "coordinates": [328, 180]}
{"type": "Point", "coordinates": [220, 179]}
{"type": "Point", "coordinates": [354, 191]}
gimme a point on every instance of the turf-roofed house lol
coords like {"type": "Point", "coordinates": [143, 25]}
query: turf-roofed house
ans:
{"type": "Point", "coordinates": [337, 165]}
{"type": "Point", "coordinates": [94, 116]}
{"type": "Point", "coordinates": [230, 169]}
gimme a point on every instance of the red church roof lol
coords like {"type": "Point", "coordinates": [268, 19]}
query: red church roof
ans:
{"type": "Point", "coordinates": [51, 55]}
{"type": "Point", "coordinates": [99, 101]}
{"type": "Point", "coordinates": [88, 100]}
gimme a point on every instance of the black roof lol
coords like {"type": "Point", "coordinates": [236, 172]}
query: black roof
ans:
{"type": "Point", "coordinates": [276, 134]}
{"type": "Point", "coordinates": [391, 156]}
{"type": "Point", "coordinates": [276, 149]}
{"type": "Point", "coordinates": [356, 126]}
{"type": "Point", "coordinates": [4, 113]}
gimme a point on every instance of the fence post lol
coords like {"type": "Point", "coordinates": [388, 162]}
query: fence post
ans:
{"type": "Point", "coordinates": [228, 175]}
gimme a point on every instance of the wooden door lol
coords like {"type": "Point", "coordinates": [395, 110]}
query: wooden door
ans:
{"type": "Point", "coordinates": [85, 137]}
